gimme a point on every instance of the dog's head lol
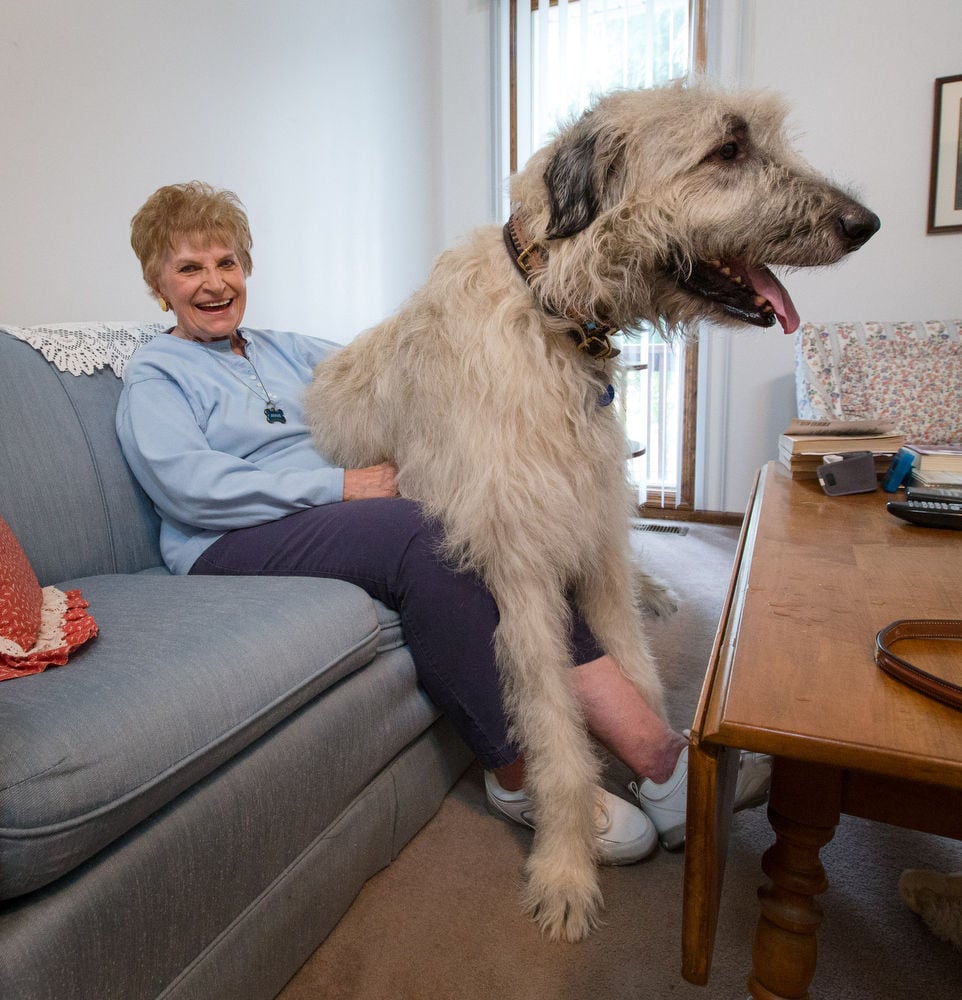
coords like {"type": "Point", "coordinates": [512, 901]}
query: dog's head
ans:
{"type": "Point", "coordinates": [673, 204]}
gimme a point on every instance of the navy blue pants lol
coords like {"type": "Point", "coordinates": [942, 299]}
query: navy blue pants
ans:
{"type": "Point", "coordinates": [388, 549]}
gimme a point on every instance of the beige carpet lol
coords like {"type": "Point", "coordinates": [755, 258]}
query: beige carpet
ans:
{"type": "Point", "coordinates": [443, 921]}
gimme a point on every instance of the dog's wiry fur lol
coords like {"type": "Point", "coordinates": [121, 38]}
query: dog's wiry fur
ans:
{"type": "Point", "coordinates": [478, 393]}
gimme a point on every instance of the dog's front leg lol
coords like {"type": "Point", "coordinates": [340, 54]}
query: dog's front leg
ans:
{"type": "Point", "coordinates": [610, 605]}
{"type": "Point", "coordinates": [561, 887]}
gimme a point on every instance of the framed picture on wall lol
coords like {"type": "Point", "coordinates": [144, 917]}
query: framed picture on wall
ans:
{"type": "Point", "coordinates": [945, 191]}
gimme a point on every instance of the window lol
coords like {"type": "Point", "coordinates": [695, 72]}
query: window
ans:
{"type": "Point", "coordinates": [563, 53]}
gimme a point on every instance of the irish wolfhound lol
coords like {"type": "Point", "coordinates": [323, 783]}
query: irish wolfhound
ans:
{"type": "Point", "coordinates": [488, 389]}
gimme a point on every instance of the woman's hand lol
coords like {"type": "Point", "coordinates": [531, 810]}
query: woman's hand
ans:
{"type": "Point", "coordinates": [374, 481]}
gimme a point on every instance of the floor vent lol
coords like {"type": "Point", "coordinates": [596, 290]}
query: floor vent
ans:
{"type": "Point", "coordinates": [661, 527]}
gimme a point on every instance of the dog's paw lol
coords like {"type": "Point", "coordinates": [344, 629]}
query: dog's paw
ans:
{"type": "Point", "coordinates": [654, 597]}
{"type": "Point", "coordinates": [565, 909]}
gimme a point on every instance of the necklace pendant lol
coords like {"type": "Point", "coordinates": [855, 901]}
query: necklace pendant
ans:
{"type": "Point", "coordinates": [275, 415]}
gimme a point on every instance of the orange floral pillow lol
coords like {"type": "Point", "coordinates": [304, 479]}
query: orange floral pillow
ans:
{"type": "Point", "coordinates": [20, 595]}
{"type": "Point", "coordinates": [39, 626]}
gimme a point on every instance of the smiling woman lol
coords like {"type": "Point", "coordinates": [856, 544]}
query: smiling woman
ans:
{"type": "Point", "coordinates": [206, 288]}
{"type": "Point", "coordinates": [194, 246]}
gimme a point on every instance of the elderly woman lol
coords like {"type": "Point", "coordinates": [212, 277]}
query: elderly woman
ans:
{"type": "Point", "coordinates": [211, 423]}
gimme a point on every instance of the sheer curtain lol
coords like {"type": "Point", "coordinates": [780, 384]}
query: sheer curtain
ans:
{"type": "Point", "coordinates": [565, 53]}
{"type": "Point", "coordinates": [570, 51]}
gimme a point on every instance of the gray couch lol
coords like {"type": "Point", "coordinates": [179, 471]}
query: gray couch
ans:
{"type": "Point", "coordinates": [192, 802]}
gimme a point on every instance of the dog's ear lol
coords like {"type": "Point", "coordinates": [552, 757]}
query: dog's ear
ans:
{"type": "Point", "coordinates": [577, 177]}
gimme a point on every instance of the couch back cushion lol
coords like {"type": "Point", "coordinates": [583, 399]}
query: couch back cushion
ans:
{"type": "Point", "coordinates": [65, 489]}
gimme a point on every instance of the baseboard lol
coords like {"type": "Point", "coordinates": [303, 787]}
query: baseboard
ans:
{"type": "Point", "coordinates": [686, 514]}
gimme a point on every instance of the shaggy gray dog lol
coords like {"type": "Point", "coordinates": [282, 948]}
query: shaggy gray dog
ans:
{"type": "Point", "coordinates": [485, 389]}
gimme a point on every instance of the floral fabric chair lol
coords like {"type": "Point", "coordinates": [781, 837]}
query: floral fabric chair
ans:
{"type": "Point", "coordinates": [906, 372]}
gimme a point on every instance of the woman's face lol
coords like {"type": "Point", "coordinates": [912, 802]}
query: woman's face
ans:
{"type": "Point", "coordinates": [206, 287]}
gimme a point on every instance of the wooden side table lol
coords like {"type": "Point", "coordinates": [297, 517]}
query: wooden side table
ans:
{"type": "Point", "coordinates": [792, 674]}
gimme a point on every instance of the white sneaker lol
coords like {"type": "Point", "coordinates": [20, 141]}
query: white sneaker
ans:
{"type": "Point", "coordinates": [625, 833]}
{"type": "Point", "coordinates": [666, 804]}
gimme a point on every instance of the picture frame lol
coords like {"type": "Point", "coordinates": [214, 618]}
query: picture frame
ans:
{"type": "Point", "coordinates": [945, 190]}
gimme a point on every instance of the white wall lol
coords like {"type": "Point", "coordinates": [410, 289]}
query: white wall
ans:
{"type": "Point", "coordinates": [321, 114]}
{"type": "Point", "coordinates": [860, 79]}
{"type": "Point", "coordinates": [470, 62]}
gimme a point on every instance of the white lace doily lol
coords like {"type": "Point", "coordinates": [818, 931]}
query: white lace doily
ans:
{"type": "Point", "coordinates": [84, 348]}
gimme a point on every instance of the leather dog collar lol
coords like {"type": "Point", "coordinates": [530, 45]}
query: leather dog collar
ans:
{"type": "Point", "coordinates": [530, 257]}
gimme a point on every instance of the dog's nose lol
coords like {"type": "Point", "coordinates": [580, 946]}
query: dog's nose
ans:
{"type": "Point", "coordinates": [858, 226]}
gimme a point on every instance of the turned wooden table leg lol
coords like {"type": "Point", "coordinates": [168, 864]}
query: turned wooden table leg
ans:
{"type": "Point", "coordinates": [785, 948]}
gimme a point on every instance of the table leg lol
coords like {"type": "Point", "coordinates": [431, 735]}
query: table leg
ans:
{"type": "Point", "coordinates": [785, 947]}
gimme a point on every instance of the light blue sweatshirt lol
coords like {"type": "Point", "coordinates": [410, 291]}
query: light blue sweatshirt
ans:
{"type": "Point", "coordinates": [192, 427]}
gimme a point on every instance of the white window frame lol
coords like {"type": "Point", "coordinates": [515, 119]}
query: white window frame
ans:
{"type": "Point", "coordinates": [655, 495]}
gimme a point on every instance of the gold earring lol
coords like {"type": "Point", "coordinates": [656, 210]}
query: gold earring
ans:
{"type": "Point", "coordinates": [164, 307]}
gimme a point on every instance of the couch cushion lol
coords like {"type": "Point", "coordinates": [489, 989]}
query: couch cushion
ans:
{"type": "Point", "coordinates": [390, 624]}
{"type": "Point", "coordinates": [186, 672]}
{"type": "Point", "coordinates": [89, 516]}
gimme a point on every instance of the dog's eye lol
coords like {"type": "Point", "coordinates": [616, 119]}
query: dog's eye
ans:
{"type": "Point", "coordinates": [729, 151]}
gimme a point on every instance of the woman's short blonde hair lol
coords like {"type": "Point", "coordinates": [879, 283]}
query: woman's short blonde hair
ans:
{"type": "Point", "coordinates": [194, 209]}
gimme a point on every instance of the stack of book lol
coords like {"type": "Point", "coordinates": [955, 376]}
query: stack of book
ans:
{"type": "Point", "coordinates": [805, 443]}
{"type": "Point", "coordinates": [936, 464]}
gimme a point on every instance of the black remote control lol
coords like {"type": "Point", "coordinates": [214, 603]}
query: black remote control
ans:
{"type": "Point", "coordinates": [947, 494]}
{"type": "Point", "coordinates": [928, 513]}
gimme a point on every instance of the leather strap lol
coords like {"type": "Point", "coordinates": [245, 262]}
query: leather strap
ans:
{"type": "Point", "coordinates": [530, 257]}
{"type": "Point", "coordinates": [919, 628]}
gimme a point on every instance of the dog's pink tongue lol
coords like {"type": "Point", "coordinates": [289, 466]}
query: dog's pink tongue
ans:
{"type": "Point", "coordinates": [767, 285]}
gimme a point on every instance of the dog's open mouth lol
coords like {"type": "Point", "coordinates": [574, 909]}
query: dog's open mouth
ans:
{"type": "Point", "coordinates": [748, 292]}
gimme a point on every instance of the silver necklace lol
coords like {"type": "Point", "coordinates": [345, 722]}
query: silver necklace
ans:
{"type": "Point", "coordinates": [273, 413]}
